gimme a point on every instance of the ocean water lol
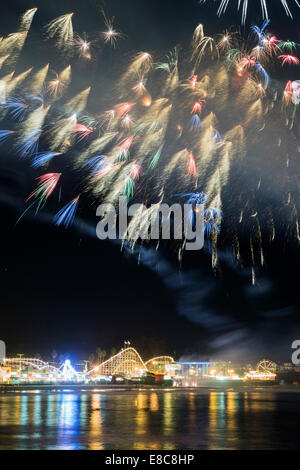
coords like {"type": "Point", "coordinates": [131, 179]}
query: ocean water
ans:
{"type": "Point", "coordinates": [149, 420]}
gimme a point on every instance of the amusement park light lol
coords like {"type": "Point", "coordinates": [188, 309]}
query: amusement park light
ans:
{"type": "Point", "coordinates": [68, 372]}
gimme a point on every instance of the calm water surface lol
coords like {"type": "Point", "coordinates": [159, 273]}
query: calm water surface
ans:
{"type": "Point", "coordinates": [150, 420]}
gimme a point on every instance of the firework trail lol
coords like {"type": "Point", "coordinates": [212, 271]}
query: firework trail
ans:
{"type": "Point", "coordinates": [67, 214]}
{"type": "Point", "coordinates": [47, 184]}
{"type": "Point", "coordinates": [62, 30]}
{"type": "Point", "coordinates": [27, 18]}
{"type": "Point", "coordinates": [243, 6]}
{"type": "Point", "coordinates": [207, 129]}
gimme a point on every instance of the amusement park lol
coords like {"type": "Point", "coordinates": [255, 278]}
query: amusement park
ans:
{"type": "Point", "coordinates": [128, 368]}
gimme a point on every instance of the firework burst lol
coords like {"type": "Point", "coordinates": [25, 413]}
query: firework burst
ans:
{"type": "Point", "coordinates": [191, 129]}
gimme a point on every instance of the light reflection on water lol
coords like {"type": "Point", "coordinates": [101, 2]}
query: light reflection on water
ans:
{"type": "Point", "coordinates": [153, 420]}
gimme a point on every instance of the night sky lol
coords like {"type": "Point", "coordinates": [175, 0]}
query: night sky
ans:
{"type": "Point", "coordinates": [67, 291]}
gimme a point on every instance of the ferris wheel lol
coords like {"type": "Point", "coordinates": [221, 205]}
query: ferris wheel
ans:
{"type": "Point", "coordinates": [266, 366]}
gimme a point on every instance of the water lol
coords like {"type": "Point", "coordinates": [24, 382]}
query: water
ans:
{"type": "Point", "coordinates": [149, 420]}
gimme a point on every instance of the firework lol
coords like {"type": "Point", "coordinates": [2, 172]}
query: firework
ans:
{"type": "Point", "coordinates": [140, 87]}
{"type": "Point", "coordinates": [110, 36]}
{"type": "Point", "coordinates": [289, 60]}
{"type": "Point", "coordinates": [96, 163]}
{"type": "Point", "coordinates": [198, 106]}
{"type": "Point", "coordinates": [59, 84]}
{"type": "Point", "coordinates": [62, 30]}
{"type": "Point", "coordinates": [79, 102]}
{"type": "Point", "coordinates": [260, 32]}
{"type": "Point", "coordinates": [289, 46]}
{"type": "Point", "coordinates": [205, 122]}
{"type": "Point", "coordinates": [29, 143]}
{"type": "Point", "coordinates": [191, 167]}
{"type": "Point", "coordinates": [4, 135]}
{"type": "Point", "coordinates": [83, 131]}
{"type": "Point", "coordinates": [11, 47]}
{"type": "Point", "coordinates": [31, 130]}
{"type": "Point", "coordinates": [42, 158]}
{"type": "Point", "coordinates": [47, 184]}
{"type": "Point", "coordinates": [140, 66]}
{"type": "Point", "coordinates": [66, 215]}
{"type": "Point", "coordinates": [243, 5]}
{"type": "Point", "coordinates": [203, 45]}
{"type": "Point", "coordinates": [83, 47]}
{"type": "Point", "coordinates": [295, 87]}
{"type": "Point", "coordinates": [27, 18]}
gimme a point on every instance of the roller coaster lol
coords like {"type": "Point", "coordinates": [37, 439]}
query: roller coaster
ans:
{"type": "Point", "coordinates": [64, 373]}
{"type": "Point", "coordinates": [127, 362]}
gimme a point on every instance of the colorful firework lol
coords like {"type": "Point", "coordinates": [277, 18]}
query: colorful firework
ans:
{"type": "Point", "coordinates": [46, 186]}
{"type": "Point", "coordinates": [289, 59]}
{"type": "Point", "coordinates": [67, 214]}
{"type": "Point", "coordinates": [205, 121]}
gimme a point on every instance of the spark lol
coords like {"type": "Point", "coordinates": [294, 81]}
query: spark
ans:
{"type": "Point", "coordinates": [263, 72]}
{"type": "Point", "coordinates": [189, 136]}
{"type": "Point", "coordinates": [83, 47]}
{"type": "Point", "coordinates": [42, 158]}
{"type": "Point", "coordinates": [46, 185]}
{"type": "Point", "coordinates": [4, 134]}
{"type": "Point", "coordinates": [198, 107]}
{"type": "Point", "coordinates": [225, 42]}
{"type": "Point", "coordinates": [59, 84]}
{"type": "Point", "coordinates": [194, 81]}
{"type": "Point", "coordinates": [29, 143]}
{"type": "Point", "coordinates": [244, 4]}
{"type": "Point", "coordinates": [55, 87]}
{"type": "Point", "coordinates": [216, 137]}
{"type": "Point", "coordinates": [288, 59]}
{"type": "Point", "coordinates": [61, 29]}
{"type": "Point", "coordinates": [287, 45]}
{"type": "Point", "coordinates": [140, 88]}
{"type": "Point", "coordinates": [191, 167]}
{"type": "Point", "coordinates": [127, 122]}
{"type": "Point", "coordinates": [123, 148]}
{"type": "Point", "coordinates": [288, 93]}
{"type": "Point", "coordinates": [260, 32]}
{"type": "Point", "coordinates": [245, 63]}
{"type": "Point", "coordinates": [124, 108]}
{"type": "Point", "coordinates": [204, 45]}
{"type": "Point", "coordinates": [79, 102]}
{"type": "Point", "coordinates": [147, 101]}
{"type": "Point", "coordinates": [136, 171]}
{"type": "Point", "coordinates": [155, 159]}
{"type": "Point", "coordinates": [195, 122]}
{"type": "Point", "coordinates": [38, 80]}
{"type": "Point", "coordinates": [17, 108]}
{"type": "Point", "coordinates": [96, 163]}
{"type": "Point", "coordinates": [83, 130]}
{"type": "Point", "coordinates": [111, 35]}
{"type": "Point", "coordinates": [67, 214]}
{"type": "Point", "coordinates": [272, 44]}
{"type": "Point", "coordinates": [26, 19]}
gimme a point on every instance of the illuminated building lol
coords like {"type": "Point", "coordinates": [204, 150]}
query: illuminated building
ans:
{"type": "Point", "coordinates": [195, 369]}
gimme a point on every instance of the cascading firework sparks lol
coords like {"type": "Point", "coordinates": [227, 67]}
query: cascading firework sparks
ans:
{"type": "Point", "coordinates": [210, 129]}
{"type": "Point", "coordinates": [264, 4]}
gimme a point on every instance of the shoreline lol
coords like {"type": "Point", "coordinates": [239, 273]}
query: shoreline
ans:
{"type": "Point", "coordinates": [79, 388]}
